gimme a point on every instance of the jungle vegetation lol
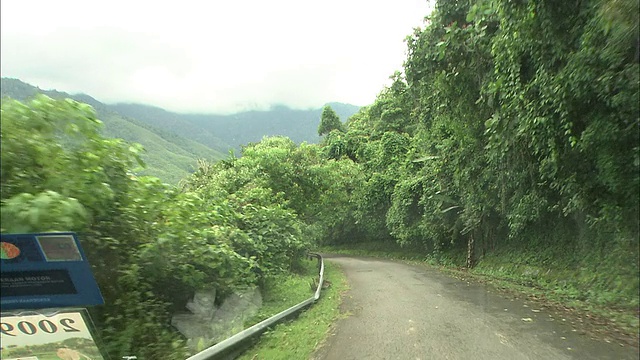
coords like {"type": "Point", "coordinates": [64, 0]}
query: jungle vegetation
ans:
{"type": "Point", "coordinates": [510, 139]}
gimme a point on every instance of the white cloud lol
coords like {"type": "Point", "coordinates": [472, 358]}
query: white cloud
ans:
{"type": "Point", "coordinates": [209, 56]}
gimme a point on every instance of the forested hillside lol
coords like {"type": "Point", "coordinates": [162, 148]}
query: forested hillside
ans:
{"type": "Point", "coordinates": [152, 245]}
{"type": "Point", "coordinates": [509, 144]}
{"type": "Point", "coordinates": [174, 123]}
{"type": "Point", "coordinates": [238, 129]}
{"type": "Point", "coordinates": [173, 142]}
{"type": "Point", "coordinates": [167, 155]}
{"type": "Point", "coordinates": [249, 127]}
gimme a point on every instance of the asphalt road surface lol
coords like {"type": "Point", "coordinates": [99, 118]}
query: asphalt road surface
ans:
{"type": "Point", "coordinates": [399, 311]}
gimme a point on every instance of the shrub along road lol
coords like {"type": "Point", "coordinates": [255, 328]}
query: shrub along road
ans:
{"type": "Point", "coordinates": [399, 311]}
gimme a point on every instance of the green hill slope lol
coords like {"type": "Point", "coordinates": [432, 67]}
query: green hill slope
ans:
{"type": "Point", "coordinates": [174, 141]}
{"type": "Point", "coordinates": [174, 123]}
{"type": "Point", "coordinates": [251, 126]}
{"type": "Point", "coordinates": [237, 129]}
{"type": "Point", "coordinates": [168, 156]}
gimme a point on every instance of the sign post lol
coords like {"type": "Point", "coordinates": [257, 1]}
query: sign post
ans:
{"type": "Point", "coordinates": [45, 278]}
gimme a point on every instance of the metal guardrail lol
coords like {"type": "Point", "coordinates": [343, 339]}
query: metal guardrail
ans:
{"type": "Point", "coordinates": [231, 347]}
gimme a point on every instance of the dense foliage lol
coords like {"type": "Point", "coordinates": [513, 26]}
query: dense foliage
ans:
{"type": "Point", "coordinates": [151, 245]}
{"type": "Point", "coordinates": [513, 129]}
{"type": "Point", "coordinates": [515, 126]}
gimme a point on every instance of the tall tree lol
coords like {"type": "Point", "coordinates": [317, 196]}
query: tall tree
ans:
{"type": "Point", "coordinates": [329, 121]}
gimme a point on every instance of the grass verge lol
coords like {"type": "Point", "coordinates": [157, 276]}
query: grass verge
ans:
{"type": "Point", "coordinates": [298, 339]}
{"type": "Point", "coordinates": [384, 250]}
{"type": "Point", "coordinates": [282, 292]}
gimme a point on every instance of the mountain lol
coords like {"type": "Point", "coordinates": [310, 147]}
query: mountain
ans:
{"type": "Point", "coordinates": [242, 128]}
{"type": "Point", "coordinates": [172, 122]}
{"type": "Point", "coordinates": [237, 129]}
{"type": "Point", "coordinates": [168, 155]}
{"type": "Point", "coordinates": [174, 141]}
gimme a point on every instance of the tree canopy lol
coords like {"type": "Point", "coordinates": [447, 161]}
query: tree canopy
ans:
{"type": "Point", "coordinates": [329, 121]}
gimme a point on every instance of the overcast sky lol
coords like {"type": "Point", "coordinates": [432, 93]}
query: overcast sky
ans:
{"type": "Point", "coordinates": [217, 56]}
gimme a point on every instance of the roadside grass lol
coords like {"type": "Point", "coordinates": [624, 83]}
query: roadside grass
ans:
{"type": "Point", "coordinates": [282, 292]}
{"type": "Point", "coordinates": [607, 294]}
{"type": "Point", "coordinates": [298, 338]}
{"type": "Point", "coordinates": [578, 291]}
{"type": "Point", "coordinates": [384, 250]}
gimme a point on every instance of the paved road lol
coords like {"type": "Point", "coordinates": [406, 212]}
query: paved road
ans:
{"type": "Point", "coordinates": [399, 311]}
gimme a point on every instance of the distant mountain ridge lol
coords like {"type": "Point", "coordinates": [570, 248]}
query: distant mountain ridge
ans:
{"type": "Point", "coordinates": [250, 126]}
{"type": "Point", "coordinates": [174, 141]}
{"type": "Point", "coordinates": [241, 128]}
{"type": "Point", "coordinates": [168, 156]}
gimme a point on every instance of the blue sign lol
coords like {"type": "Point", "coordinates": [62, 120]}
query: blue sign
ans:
{"type": "Point", "coordinates": [45, 270]}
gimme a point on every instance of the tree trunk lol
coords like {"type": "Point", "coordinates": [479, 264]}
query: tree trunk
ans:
{"type": "Point", "coordinates": [470, 251]}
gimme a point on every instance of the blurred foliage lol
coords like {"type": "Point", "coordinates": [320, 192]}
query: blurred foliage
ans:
{"type": "Point", "coordinates": [151, 245]}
